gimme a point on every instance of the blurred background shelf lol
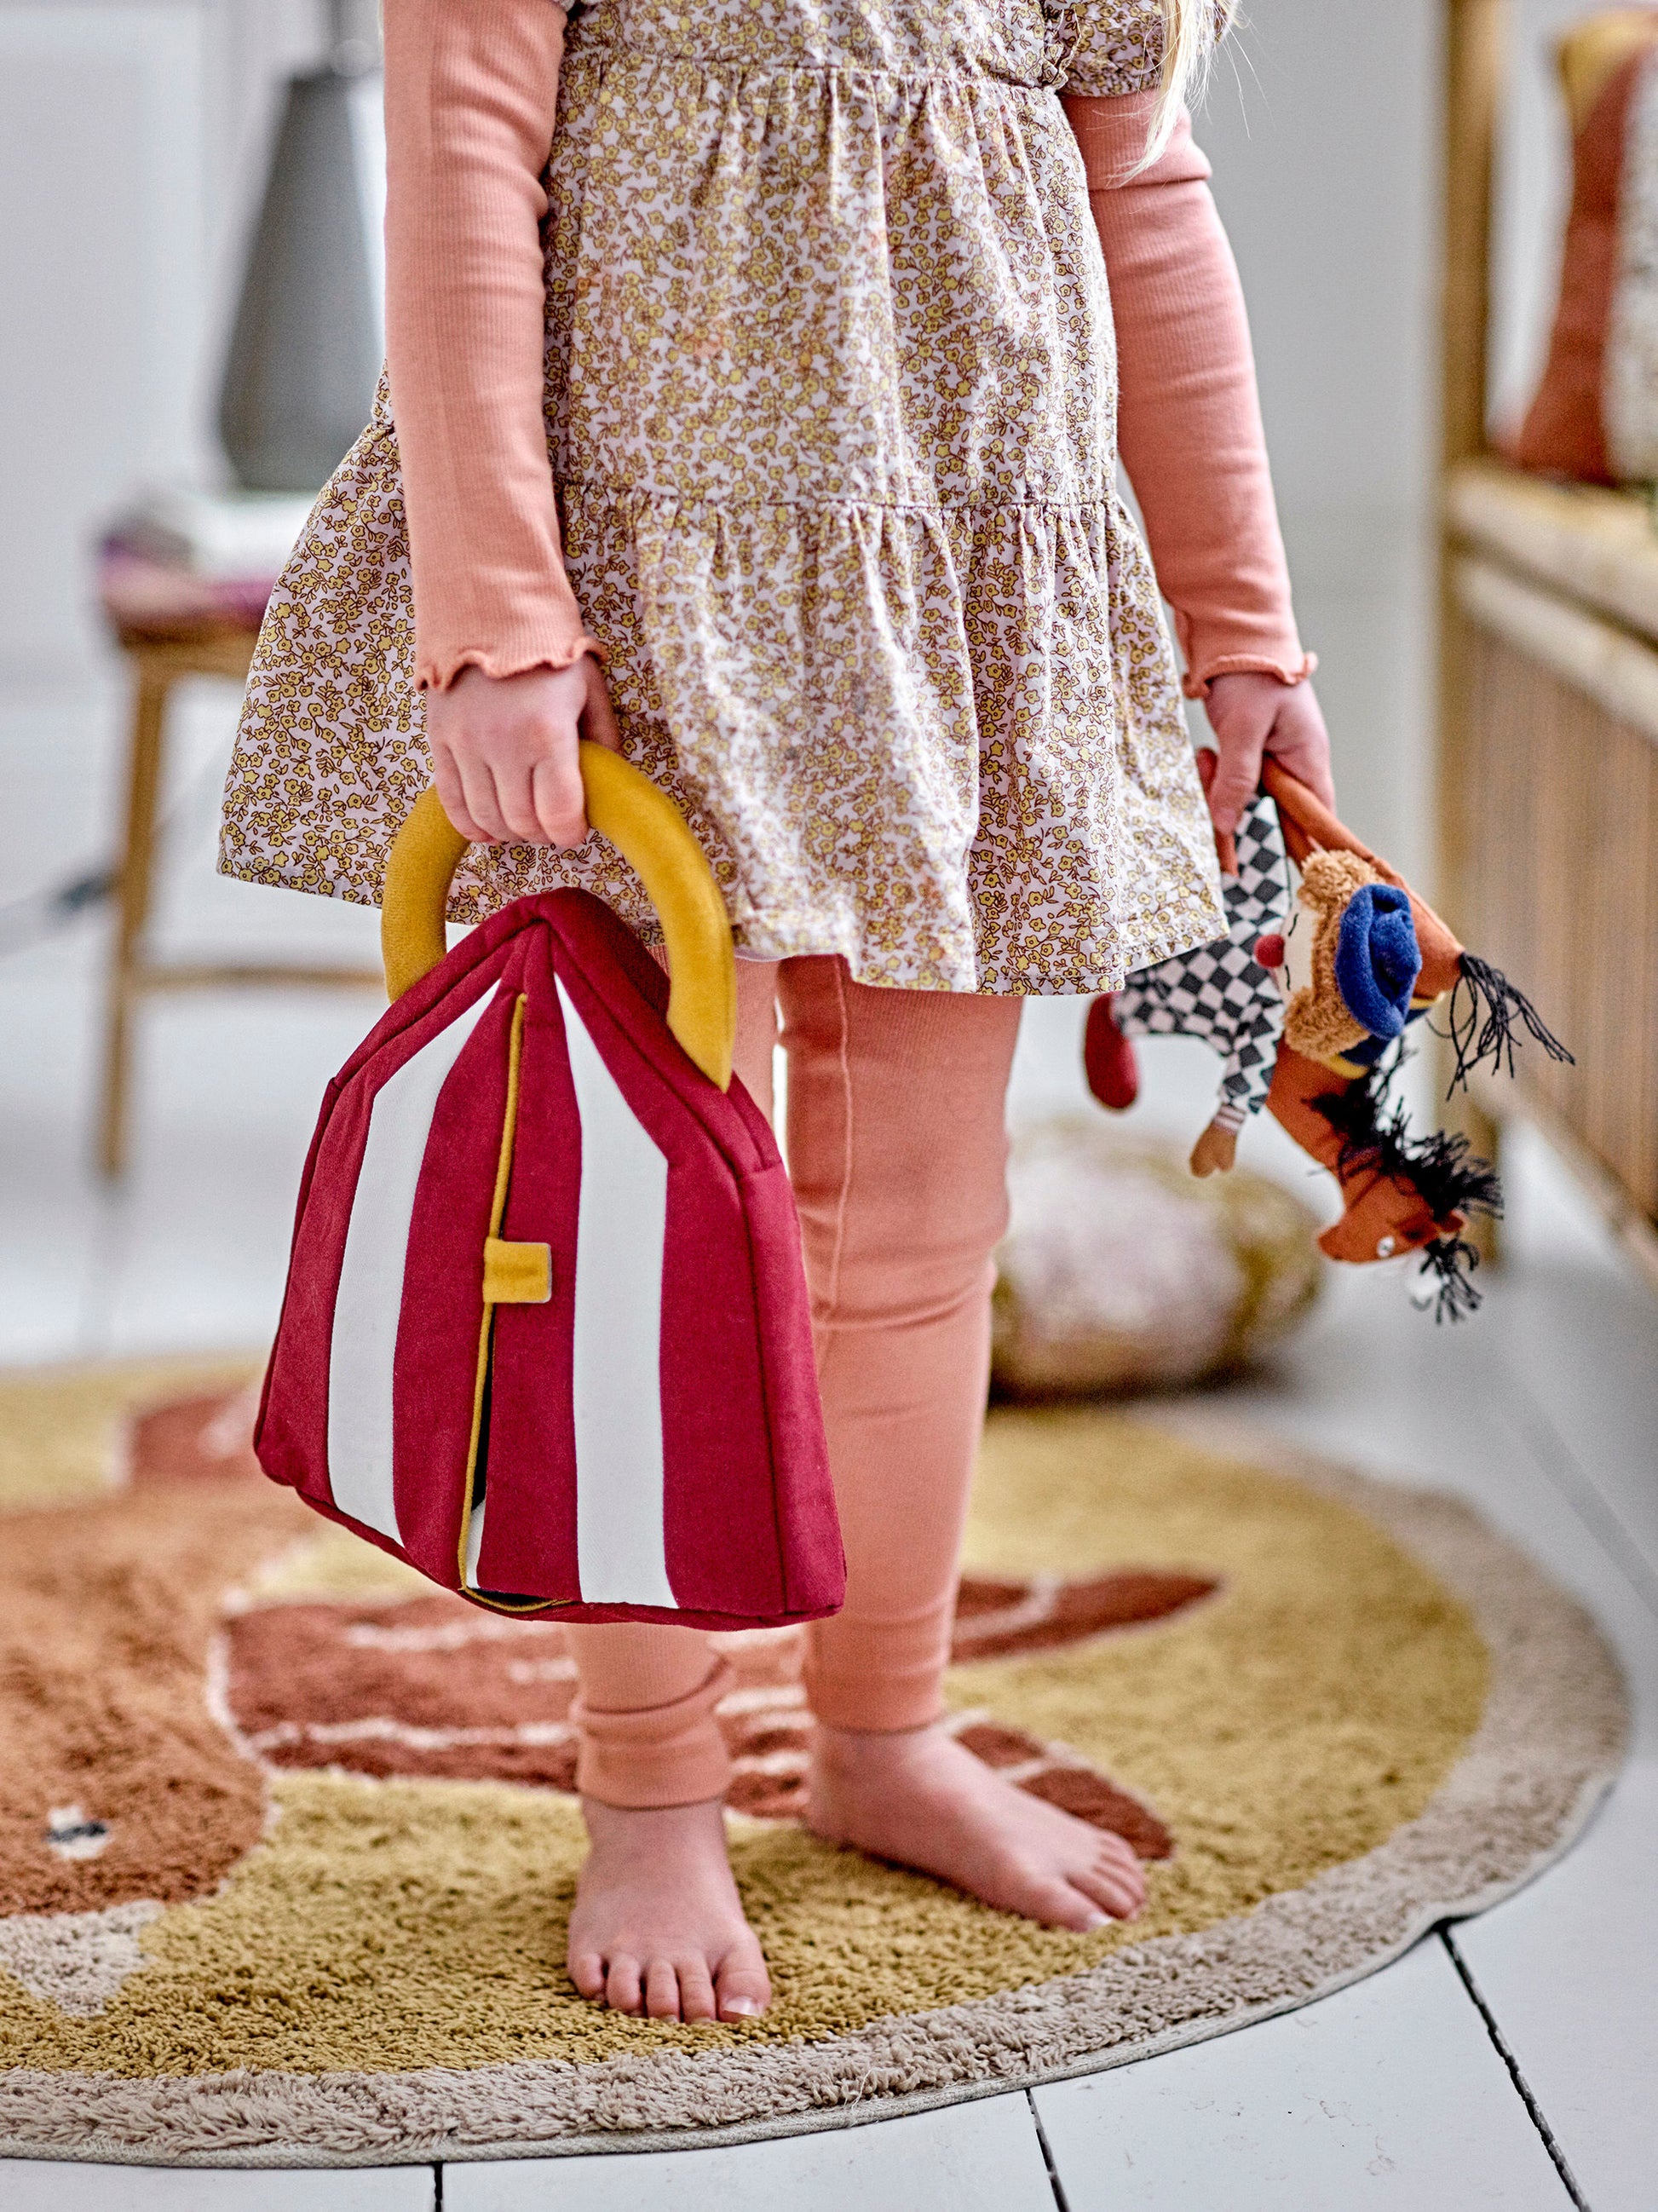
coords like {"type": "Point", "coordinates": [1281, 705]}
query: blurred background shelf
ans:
{"type": "Point", "coordinates": [1548, 716]}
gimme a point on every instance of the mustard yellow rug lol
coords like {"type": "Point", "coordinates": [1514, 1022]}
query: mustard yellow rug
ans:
{"type": "Point", "coordinates": [287, 1846]}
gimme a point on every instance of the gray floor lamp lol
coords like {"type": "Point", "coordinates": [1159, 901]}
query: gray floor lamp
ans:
{"type": "Point", "coordinates": [306, 341]}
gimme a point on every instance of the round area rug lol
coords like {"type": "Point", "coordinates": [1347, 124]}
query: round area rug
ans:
{"type": "Point", "coordinates": [287, 1843]}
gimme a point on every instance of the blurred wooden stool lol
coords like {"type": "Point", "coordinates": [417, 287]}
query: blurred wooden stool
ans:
{"type": "Point", "coordinates": [162, 650]}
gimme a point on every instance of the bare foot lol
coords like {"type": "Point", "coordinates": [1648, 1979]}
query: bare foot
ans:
{"type": "Point", "coordinates": [921, 1798]}
{"type": "Point", "coordinates": [658, 1926]}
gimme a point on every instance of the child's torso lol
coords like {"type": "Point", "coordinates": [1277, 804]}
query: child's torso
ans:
{"type": "Point", "coordinates": [824, 250]}
{"type": "Point", "coordinates": [1019, 41]}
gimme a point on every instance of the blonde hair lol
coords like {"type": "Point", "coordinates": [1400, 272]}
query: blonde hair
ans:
{"type": "Point", "coordinates": [1189, 30]}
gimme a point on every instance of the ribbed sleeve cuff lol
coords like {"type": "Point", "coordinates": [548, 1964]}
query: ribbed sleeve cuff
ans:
{"type": "Point", "coordinates": [513, 657]}
{"type": "Point", "coordinates": [1292, 667]}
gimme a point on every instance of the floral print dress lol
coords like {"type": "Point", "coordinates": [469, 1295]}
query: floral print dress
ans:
{"type": "Point", "coordinates": [830, 398]}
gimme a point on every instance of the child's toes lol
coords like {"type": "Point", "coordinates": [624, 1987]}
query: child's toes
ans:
{"type": "Point", "coordinates": [1060, 1903]}
{"type": "Point", "coordinates": [623, 1992]}
{"type": "Point", "coordinates": [1107, 1889]}
{"type": "Point", "coordinates": [588, 1972]}
{"type": "Point", "coordinates": [1119, 1858]}
{"type": "Point", "coordinates": [1129, 1879]}
{"type": "Point", "coordinates": [1120, 1851]}
{"type": "Point", "coordinates": [662, 1989]}
{"type": "Point", "coordinates": [697, 1999]}
{"type": "Point", "coordinates": [744, 1985]}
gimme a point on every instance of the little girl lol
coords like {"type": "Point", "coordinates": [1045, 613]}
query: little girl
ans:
{"type": "Point", "coordinates": [758, 371]}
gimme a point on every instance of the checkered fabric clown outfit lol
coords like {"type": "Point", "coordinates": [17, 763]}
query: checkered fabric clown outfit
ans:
{"type": "Point", "coordinates": [1219, 991]}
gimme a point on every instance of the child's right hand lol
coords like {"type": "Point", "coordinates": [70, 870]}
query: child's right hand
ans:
{"type": "Point", "coordinates": [1252, 714]}
{"type": "Point", "coordinates": [504, 752]}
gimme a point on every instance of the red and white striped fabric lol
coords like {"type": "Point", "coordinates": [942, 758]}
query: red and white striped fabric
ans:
{"type": "Point", "coordinates": [546, 1332]}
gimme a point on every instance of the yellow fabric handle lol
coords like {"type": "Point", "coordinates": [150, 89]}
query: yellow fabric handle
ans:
{"type": "Point", "coordinates": [653, 836]}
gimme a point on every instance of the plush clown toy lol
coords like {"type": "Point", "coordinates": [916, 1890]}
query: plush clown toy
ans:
{"type": "Point", "coordinates": [1307, 1001]}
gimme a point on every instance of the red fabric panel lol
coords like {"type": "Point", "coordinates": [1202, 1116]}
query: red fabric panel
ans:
{"type": "Point", "coordinates": [1564, 432]}
{"type": "Point", "coordinates": [290, 1437]}
{"type": "Point", "coordinates": [596, 944]}
{"type": "Point", "coordinates": [814, 1566]}
{"type": "Point", "coordinates": [725, 1545]}
{"type": "Point", "coordinates": [530, 1529]}
{"type": "Point", "coordinates": [435, 1370]}
{"type": "Point", "coordinates": [718, 1505]}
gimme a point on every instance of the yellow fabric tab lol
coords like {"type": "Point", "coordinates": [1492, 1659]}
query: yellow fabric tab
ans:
{"type": "Point", "coordinates": [516, 1274]}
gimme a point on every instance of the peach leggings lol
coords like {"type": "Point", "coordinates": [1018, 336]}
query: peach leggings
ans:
{"type": "Point", "coordinates": [897, 1153]}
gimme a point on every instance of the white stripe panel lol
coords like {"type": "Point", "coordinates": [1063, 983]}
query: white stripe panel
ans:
{"type": "Point", "coordinates": [474, 1542]}
{"type": "Point", "coordinates": [620, 1233]}
{"type": "Point", "coordinates": [369, 1304]}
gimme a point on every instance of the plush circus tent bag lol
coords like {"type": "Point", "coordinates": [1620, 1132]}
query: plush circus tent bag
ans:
{"type": "Point", "coordinates": [546, 1333]}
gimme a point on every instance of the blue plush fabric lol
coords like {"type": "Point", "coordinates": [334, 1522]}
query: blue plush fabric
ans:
{"type": "Point", "coordinates": [1377, 958]}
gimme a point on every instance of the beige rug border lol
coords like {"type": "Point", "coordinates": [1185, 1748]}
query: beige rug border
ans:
{"type": "Point", "coordinates": [1503, 1816]}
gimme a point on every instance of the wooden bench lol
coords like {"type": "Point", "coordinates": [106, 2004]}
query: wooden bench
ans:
{"type": "Point", "coordinates": [1548, 721]}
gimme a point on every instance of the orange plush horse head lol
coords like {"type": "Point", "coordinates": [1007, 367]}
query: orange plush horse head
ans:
{"type": "Point", "coordinates": [1379, 957]}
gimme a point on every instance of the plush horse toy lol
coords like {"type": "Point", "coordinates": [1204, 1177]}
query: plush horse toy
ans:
{"type": "Point", "coordinates": [1308, 1003]}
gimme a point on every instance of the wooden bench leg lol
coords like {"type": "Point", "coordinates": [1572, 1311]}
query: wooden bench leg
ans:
{"type": "Point", "coordinates": [137, 867]}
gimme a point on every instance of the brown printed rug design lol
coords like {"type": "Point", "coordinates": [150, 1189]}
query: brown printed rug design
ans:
{"type": "Point", "coordinates": [287, 1843]}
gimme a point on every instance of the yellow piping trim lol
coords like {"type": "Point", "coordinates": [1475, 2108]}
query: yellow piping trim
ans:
{"type": "Point", "coordinates": [509, 1124]}
{"type": "Point", "coordinates": [652, 835]}
{"type": "Point", "coordinates": [486, 1330]}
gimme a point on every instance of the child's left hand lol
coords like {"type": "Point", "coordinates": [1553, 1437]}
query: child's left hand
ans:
{"type": "Point", "coordinates": [1253, 714]}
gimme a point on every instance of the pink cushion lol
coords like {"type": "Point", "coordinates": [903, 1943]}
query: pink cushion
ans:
{"type": "Point", "coordinates": [1564, 432]}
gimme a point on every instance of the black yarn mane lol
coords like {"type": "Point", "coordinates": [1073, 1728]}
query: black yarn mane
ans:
{"type": "Point", "coordinates": [1376, 1136]}
{"type": "Point", "coordinates": [1486, 1015]}
{"type": "Point", "coordinates": [1454, 1260]}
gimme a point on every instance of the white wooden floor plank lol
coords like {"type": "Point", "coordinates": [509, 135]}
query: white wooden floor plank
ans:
{"type": "Point", "coordinates": [1388, 2095]}
{"type": "Point", "coordinates": [229, 1093]}
{"type": "Point", "coordinates": [1375, 1383]}
{"type": "Point", "coordinates": [1567, 1967]}
{"type": "Point", "coordinates": [189, 1252]}
{"type": "Point", "coordinates": [1580, 1341]}
{"type": "Point", "coordinates": [983, 2157]}
{"type": "Point", "coordinates": [54, 2186]}
{"type": "Point", "coordinates": [48, 1206]}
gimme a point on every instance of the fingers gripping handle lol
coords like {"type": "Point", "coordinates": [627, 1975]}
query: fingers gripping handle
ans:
{"type": "Point", "coordinates": [652, 835]}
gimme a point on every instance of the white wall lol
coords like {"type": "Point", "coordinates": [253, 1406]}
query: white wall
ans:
{"type": "Point", "coordinates": [132, 143]}
{"type": "Point", "coordinates": [1322, 123]}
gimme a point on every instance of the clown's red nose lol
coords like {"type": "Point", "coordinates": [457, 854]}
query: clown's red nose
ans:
{"type": "Point", "coordinates": [1269, 949]}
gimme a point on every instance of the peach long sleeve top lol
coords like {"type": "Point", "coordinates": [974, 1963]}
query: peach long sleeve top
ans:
{"type": "Point", "coordinates": [471, 94]}
{"type": "Point", "coordinates": [470, 99]}
{"type": "Point", "coordinates": [1189, 428]}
